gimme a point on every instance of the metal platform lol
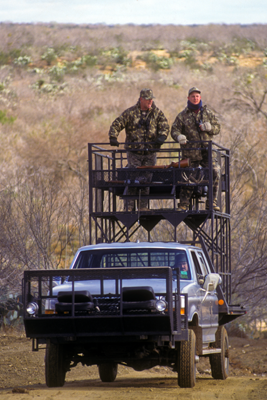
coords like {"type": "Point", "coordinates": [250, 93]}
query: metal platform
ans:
{"type": "Point", "coordinates": [111, 187]}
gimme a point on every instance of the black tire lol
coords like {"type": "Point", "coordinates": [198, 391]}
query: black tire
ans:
{"type": "Point", "coordinates": [108, 372]}
{"type": "Point", "coordinates": [187, 362]}
{"type": "Point", "coordinates": [219, 363]}
{"type": "Point", "coordinates": [54, 365]}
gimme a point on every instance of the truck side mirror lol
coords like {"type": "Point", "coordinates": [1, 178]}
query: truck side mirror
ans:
{"type": "Point", "coordinates": [211, 287]}
{"type": "Point", "coordinates": [211, 282]}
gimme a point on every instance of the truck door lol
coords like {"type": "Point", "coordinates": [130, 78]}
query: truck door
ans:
{"type": "Point", "coordinates": [213, 297]}
{"type": "Point", "coordinates": [205, 303]}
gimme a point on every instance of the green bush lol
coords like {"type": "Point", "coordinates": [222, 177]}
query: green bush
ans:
{"type": "Point", "coordinates": [228, 59]}
{"type": "Point", "coordinates": [57, 72]}
{"type": "Point", "coordinates": [153, 44]}
{"type": "Point", "coordinates": [49, 56]}
{"type": "Point", "coordinates": [14, 53]}
{"type": "Point", "coordinates": [114, 56]}
{"type": "Point", "coordinates": [207, 67]}
{"type": "Point", "coordinates": [22, 61]}
{"type": "Point", "coordinates": [155, 62]}
{"type": "Point", "coordinates": [82, 62]}
{"type": "Point", "coordinates": [4, 119]}
{"type": "Point", "coordinates": [90, 61]}
{"type": "Point", "coordinates": [4, 58]}
{"type": "Point", "coordinates": [241, 45]}
{"type": "Point", "coordinates": [189, 44]}
{"type": "Point", "coordinates": [50, 88]}
{"type": "Point", "coordinates": [188, 53]}
{"type": "Point", "coordinates": [236, 47]}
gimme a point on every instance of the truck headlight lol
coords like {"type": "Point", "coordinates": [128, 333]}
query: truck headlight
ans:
{"type": "Point", "coordinates": [32, 308]}
{"type": "Point", "coordinates": [161, 305]}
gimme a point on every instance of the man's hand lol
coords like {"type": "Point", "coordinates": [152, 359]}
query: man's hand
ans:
{"type": "Point", "coordinates": [113, 141]}
{"type": "Point", "coordinates": [161, 139]}
{"type": "Point", "coordinates": [205, 127]}
{"type": "Point", "coordinates": [182, 139]}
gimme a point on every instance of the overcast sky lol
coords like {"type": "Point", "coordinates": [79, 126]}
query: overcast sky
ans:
{"type": "Point", "coordinates": [178, 12]}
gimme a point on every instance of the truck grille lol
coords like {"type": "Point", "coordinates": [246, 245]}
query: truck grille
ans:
{"type": "Point", "coordinates": [108, 305]}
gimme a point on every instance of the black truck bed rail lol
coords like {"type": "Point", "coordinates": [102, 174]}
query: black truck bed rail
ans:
{"type": "Point", "coordinates": [84, 314]}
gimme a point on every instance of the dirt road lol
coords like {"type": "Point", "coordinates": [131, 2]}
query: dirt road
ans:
{"type": "Point", "coordinates": [22, 377]}
{"type": "Point", "coordinates": [154, 386]}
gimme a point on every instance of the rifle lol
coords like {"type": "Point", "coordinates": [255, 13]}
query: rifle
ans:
{"type": "Point", "coordinates": [179, 164]}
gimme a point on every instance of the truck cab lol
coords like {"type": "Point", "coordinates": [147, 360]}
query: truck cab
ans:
{"type": "Point", "coordinates": [187, 263]}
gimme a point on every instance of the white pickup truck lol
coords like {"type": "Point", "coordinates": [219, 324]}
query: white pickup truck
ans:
{"type": "Point", "coordinates": [134, 304]}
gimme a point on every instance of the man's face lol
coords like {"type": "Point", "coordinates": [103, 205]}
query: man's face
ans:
{"type": "Point", "coordinates": [184, 266]}
{"type": "Point", "coordinates": [194, 97]}
{"type": "Point", "coordinates": [145, 104]}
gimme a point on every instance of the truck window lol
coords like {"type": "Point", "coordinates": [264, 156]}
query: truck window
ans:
{"type": "Point", "coordinates": [181, 262]}
{"type": "Point", "coordinates": [131, 258]}
{"type": "Point", "coordinates": [198, 269]}
{"type": "Point", "coordinates": [203, 263]}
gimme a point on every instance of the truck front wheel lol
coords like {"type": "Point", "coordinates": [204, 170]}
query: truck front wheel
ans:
{"type": "Point", "coordinates": [187, 362]}
{"type": "Point", "coordinates": [54, 365]}
{"type": "Point", "coordinates": [108, 372]}
{"type": "Point", "coordinates": [219, 363]}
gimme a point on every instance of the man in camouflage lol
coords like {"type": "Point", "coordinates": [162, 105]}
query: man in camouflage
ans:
{"type": "Point", "coordinates": [195, 123]}
{"type": "Point", "coordinates": [146, 130]}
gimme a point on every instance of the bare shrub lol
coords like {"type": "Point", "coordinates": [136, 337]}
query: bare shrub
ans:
{"type": "Point", "coordinates": [93, 37]}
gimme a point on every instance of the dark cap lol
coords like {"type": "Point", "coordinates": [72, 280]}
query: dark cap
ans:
{"type": "Point", "coordinates": [180, 258]}
{"type": "Point", "coordinates": [147, 94]}
{"type": "Point", "coordinates": [193, 89]}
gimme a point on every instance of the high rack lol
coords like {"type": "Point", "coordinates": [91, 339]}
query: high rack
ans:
{"type": "Point", "coordinates": [111, 220]}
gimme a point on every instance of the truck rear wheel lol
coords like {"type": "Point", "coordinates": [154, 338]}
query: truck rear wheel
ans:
{"type": "Point", "coordinates": [220, 362]}
{"type": "Point", "coordinates": [108, 372]}
{"type": "Point", "coordinates": [54, 365]}
{"type": "Point", "coordinates": [187, 362]}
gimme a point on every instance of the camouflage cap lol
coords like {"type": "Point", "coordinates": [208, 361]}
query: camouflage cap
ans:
{"type": "Point", "coordinates": [147, 94]}
{"type": "Point", "coordinates": [193, 89]}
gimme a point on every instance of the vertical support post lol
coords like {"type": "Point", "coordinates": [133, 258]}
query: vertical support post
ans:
{"type": "Point", "coordinates": [90, 205]}
{"type": "Point", "coordinates": [210, 185]}
{"type": "Point", "coordinates": [99, 198]}
{"type": "Point", "coordinates": [227, 181]}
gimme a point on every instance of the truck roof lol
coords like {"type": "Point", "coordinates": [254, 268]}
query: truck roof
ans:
{"type": "Point", "coordinates": [138, 245]}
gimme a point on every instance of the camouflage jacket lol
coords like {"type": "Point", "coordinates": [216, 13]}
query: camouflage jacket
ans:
{"type": "Point", "coordinates": [186, 123]}
{"type": "Point", "coordinates": [141, 129]}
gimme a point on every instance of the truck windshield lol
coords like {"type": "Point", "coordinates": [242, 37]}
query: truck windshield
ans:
{"type": "Point", "coordinates": [127, 258]}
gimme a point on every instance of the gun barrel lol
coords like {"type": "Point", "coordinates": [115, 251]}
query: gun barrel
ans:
{"type": "Point", "coordinates": [179, 164]}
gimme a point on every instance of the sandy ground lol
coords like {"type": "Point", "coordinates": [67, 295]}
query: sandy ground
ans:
{"type": "Point", "coordinates": [22, 377]}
